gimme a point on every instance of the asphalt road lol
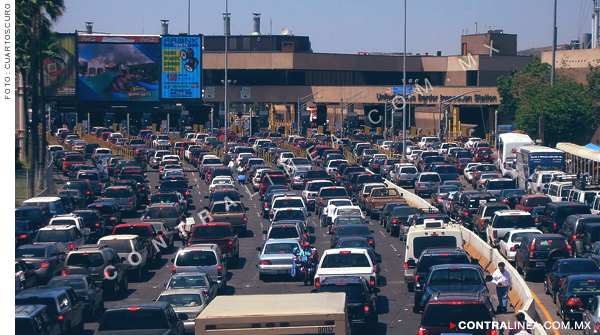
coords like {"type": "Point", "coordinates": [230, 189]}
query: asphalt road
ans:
{"type": "Point", "coordinates": [395, 302]}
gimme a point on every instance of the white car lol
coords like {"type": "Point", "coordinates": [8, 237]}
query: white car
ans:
{"type": "Point", "coordinates": [414, 155]}
{"type": "Point", "coordinates": [347, 262]}
{"type": "Point", "coordinates": [71, 220]}
{"type": "Point", "coordinates": [346, 210]}
{"type": "Point", "coordinates": [162, 140]}
{"type": "Point", "coordinates": [220, 180]}
{"type": "Point", "coordinates": [471, 141]}
{"type": "Point", "coordinates": [468, 172]}
{"type": "Point", "coordinates": [329, 210]}
{"type": "Point", "coordinates": [283, 157]}
{"type": "Point", "coordinates": [297, 163]}
{"type": "Point", "coordinates": [241, 156]}
{"type": "Point", "coordinates": [508, 243]}
{"type": "Point", "coordinates": [386, 144]}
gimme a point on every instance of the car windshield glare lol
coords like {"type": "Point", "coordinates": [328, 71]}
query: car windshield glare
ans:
{"type": "Point", "coordinates": [345, 260]}
{"type": "Point", "coordinates": [280, 248]}
{"type": "Point", "coordinates": [131, 320]}
{"type": "Point", "coordinates": [441, 315]}
{"type": "Point", "coordinates": [455, 276]}
{"type": "Point", "coordinates": [53, 236]}
{"type": "Point", "coordinates": [196, 258]}
{"type": "Point", "coordinates": [120, 246]}
{"type": "Point", "coordinates": [187, 282]}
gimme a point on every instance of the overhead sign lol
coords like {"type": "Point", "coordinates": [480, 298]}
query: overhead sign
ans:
{"type": "Point", "coordinates": [400, 90]}
{"type": "Point", "coordinates": [181, 67]}
{"type": "Point", "coordinates": [209, 92]}
{"type": "Point", "coordinates": [246, 93]}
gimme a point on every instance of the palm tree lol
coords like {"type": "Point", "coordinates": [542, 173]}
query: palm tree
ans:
{"type": "Point", "coordinates": [33, 27]}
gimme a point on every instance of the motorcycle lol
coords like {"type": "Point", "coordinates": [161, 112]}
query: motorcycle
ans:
{"type": "Point", "coordinates": [241, 177]}
{"type": "Point", "coordinates": [305, 267]}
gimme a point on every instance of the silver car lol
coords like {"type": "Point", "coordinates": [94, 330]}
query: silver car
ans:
{"type": "Point", "coordinates": [186, 301]}
{"type": "Point", "coordinates": [275, 257]}
{"type": "Point", "coordinates": [427, 183]}
{"type": "Point", "coordinates": [591, 315]}
{"type": "Point", "coordinates": [193, 280]}
{"type": "Point", "coordinates": [202, 258]}
{"type": "Point", "coordinates": [297, 179]}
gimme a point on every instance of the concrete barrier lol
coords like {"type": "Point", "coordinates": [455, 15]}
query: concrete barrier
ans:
{"type": "Point", "coordinates": [412, 199]}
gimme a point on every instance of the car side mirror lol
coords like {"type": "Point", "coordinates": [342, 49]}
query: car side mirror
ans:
{"type": "Point", "coordinates": [182, 316]}
{"type": "Point", "coordinates": [246, 208]}
{"type": "Point", "coordinates": [517, 246]}
{"type": "Point", "coordinates": [309, 214]}
{"type": "Point", "coordinates": [258, 248]}
{"type": "Point", "coordinates": [375, 290]}
{"type": "Point", "coordinates": [159, 232]}
{"type": "Point", "coordinates": [489, 278]}
{"type": "Point", "coordinates": [378, 259]}
{"type": "Point", "coordinates": [206, 197]}
{"type": "Point", "coordinates": [372, 231]}
{"type": "Point", "coordinates": [264, 232]}
{"type": "Point", "coordinates": [156, 187]}
{"type": "Point", "coordinates": [206, 207]}
{"type": "Point", "coordinates": [190, 187]}
{"type": "Point", "coordinates": [173, 260]}
{"type": "Point", "coordinates": [123, 259]}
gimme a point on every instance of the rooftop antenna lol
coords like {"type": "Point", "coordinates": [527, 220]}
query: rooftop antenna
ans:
{"type": "Point", "coordinates": [270, 26]}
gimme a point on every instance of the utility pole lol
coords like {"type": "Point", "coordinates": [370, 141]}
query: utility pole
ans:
{"type": "Point", "coordinates": [553, 47]}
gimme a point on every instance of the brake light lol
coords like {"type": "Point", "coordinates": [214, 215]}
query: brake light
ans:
{"type": "Point", "coordinates": [317, 282]}
{"type": "Point", "coordinates": [112, 218]}
{"type": "Point", "coordinates": [173, 270]}
{"type": "Point", "coordinates": [308, 197]}
{"type": "Point", "coordinates": [60, 317]}
{"type": "Point", "coordinates": [265, 262]}
{"type": "Point", "coordinates": [495, 234]}
{"type": "Point", "coordinates": [395, 221]}
{"type": "Point", "coordinates": [366, 308]}
{"type": "Point", "coordinates": [513, 249]}
{"type": "Point", "coordinates": [505, 201]}
{"type": "Point", "coordinates": [109, 272]}
{"type": "Point", "coordinates": [245, 218]}
{"type": "Point", "coordinates": [406, 265]}
{"type": "Point", "coordinates": [574, 302]}
{"type": "Point", "coordinates": [574, 237]}
{"type": "Point", "coordinates": [561, 281]}
{"type": "Point", "coordinates": [417, 278]}
{"type": "Point", "coordinates": [44, 264]}
{"type": "Point", "coordinates": [371, 241]}
{"type": "Point", "coordinates": [423, 332]}
{"type": "Point", "coordinates": [219, 270]}
{"type": "Point", "coordinates": [570, 250]}
{"type": "Point", "coordinates": [466, 212]}
{"type": "Point", "coordinates": [372, 281]}
{"type": "Point", "coordinates": [87, 192]}
{"type": "Point", "coordinates": [321, 200]}
{"type": "Point", "coordinates": [418, 184]}
{"type": "Point", "coordinates": [531, 249]}
{"type": "Point", "coordinates": [481, 222]}
{"type": "Point", "coordinates": [71, 246]}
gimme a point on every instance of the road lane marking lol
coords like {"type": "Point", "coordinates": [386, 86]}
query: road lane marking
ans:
{"type": "Point", "coordinates": [548, 317]}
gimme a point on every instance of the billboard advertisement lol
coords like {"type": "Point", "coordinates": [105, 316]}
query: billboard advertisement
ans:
{"type": "Point", "coordinates": [118, 68]}
{"type": "Point", "coordinates": [181, 67]}
{"type": "Point", "coordinates": [60, 72]}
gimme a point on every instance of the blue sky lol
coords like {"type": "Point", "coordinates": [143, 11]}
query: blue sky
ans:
{"type": "Point", "coordinates": [348, 26]}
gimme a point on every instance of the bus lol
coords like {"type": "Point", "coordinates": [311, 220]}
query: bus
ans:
{"type": "Point", "coordinates": [537, 158]}
{"type": "Point", "coordinates": [301, 313]}
{"type": "Point", "coordinates": [507, 150]}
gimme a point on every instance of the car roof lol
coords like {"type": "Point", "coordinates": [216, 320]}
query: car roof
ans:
{"type": "Point", "coordinates": [281, 240]}
{"type": "Point", "coordinates": [447, 266]}
{"type": "Point", "coordinates": [119, 237]}
{"type": "Point", "coordinates": [157, 304]}
{"type": "Point", "coordinates": [180, 291]}
{"type": "Point", "coordinates": [41, 291]}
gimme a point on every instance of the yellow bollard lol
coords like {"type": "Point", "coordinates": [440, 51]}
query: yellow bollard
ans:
{"type": "Point", "coordinates": [195, 128]}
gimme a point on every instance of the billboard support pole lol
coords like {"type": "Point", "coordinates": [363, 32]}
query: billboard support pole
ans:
{"type": "Point", "coordinates": [128, 133]}
{"type": "Point", "coordinates": [168, 122]}
{"type": "Point", "coordinates": [88, 126]}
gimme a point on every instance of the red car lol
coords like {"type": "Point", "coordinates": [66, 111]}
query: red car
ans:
{"type": "Point", "coordinates": [272, 179]}
{"type": "Point", "coordinates": [483, 155]}
{"type": "Point", "coordinates": [75, 159]}
{"type": "Point", "coordinates": [529, 201]}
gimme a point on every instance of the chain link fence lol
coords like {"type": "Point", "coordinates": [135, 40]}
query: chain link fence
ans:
{"type": "Point", "coordinates": [43, 182]}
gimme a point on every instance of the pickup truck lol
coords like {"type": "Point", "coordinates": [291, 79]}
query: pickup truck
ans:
{"type": "Point", "coordinates": [379, 197]}
{"type": "Point", "coordinates": [346, 262]}
{"type": "Point", "coordinates": [233, 212]}
{"type": "Point", "coordinates": [72, 220]}
{"type": "Point", "coordinates": [147, 235]}
{"type": "Point", "coordinates": [123, 196]}
{"type": "Point", "coordinates": [326, 193]}
{"type": "Point", "coordinates": [484, 215]}
{"type": "Point", "coordinates": [219, 233]}
{"type": "Point", "coordinates": [150, 318]}
{"type": "Point", "coordinates": [63, 305]}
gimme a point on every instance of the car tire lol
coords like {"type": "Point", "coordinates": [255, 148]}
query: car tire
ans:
{"type": "Point", "coordinates": [224, 288]}
{"type": "Point", "coordinates": [145, 268]}
{"type": "Point", "coordinates": [123, 287]}
{"type": "Point", "coordinates": [138, 274]}
{"type": "Point", "coordinates": [546, 289]}
{"type": "Point", "coordinates": [114, 291]}
{"type": "Point", "coordinates": [261, 277]}
{"type": "Point", "coordinates": [526, 274]}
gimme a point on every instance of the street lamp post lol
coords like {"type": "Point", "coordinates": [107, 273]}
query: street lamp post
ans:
{"type": "Point", "coordinates": [226, 81]}
{"type": "Point", "coordinates": [303, 102]}
{"type": "Point", "coordinates": [447, 102]}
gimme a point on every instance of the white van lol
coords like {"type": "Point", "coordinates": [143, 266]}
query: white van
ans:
{"type": "Point", "coordinates": [428, 141]}
{"type": "Point", "coordinates": [507, 150]}
{"type": "Point", "coordinates": [596, 205]}
{"type": "Point", "coordinates": [432, 233]}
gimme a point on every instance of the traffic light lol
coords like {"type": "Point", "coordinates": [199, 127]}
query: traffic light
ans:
{"type": "Point", "coordinates": [321, 115]}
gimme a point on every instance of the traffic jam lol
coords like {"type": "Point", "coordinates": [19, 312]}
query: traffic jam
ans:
{"type": "Point", "coordinates": [144, 232]}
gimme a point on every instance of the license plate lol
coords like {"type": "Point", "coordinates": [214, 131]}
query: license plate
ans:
{"type": "Point", "coordinates": [282, 272]}
{"type": "Point", "coordinates": [540, 263]}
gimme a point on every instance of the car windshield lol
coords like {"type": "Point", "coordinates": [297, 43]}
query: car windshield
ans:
{"type": "Point", "coordinates": [284, 232]}
{"type": "Point", "coordinates": [446, 169]}
{"type": "Point", "coordinates": [68, 222]}
{"type": "Point", "coordinates": [30, 252]}
{"type": "Point", "coordinates": [425, 263]}
{"type": "Point", "coordinates": [513, 193]}
{"type": "Point", "coordinates": [448, 189]}
{"type": "Point", "coordinates": [227, 207]}
{"type": "Point", "coordinates": [349, 211]}
{"type": "Point", "coordinates": [408, 170]}
{"type": "Point", "coordinates": [163, 198]}
{"type": "Point", "coordinates": [343, 221]}
{"type": "Point", "coordinates": [354, 292]}
{"type": "Point", "coordinates": [500, 184]}
{"type": "Point", "coordinates": [333, 192]}
{"type": "Point", "coordinates": [536, 201]}
{"type": "Point", "coordinates": [577, 267]}
{"type": "Point", "coordinates": [211, 231]}
{"type": "Point", "coordinates": [405, 211]}
{"type": "Point", "coordinates": [518, 237]}
{"type": "Point", "coordinates": [353, 243]}
{"type": "Point", "coordinates": [196, 258]}
{"type": "Point", "coordinates": [188, 281]}
{"type": "Point", "coordinates": [345, 259]}
{"type": "Point", "coordinates": [211, 161]}
{"type": "Point", "coordinates": [338, 203]}
{"type": "Point", "coordinates": [455, 276]}
{"type": "Point", "coordinates": [27, 214]}
{"type": "Point", "coordinates": [120, 246]}
{"type": "Point", "coordinates": [53, 236]}
{"type": "Point", "coordinates": [351, 230]}
{"type": "Point", "coordinates": [334, 163]}
{"type": "Point", "coordinates": [289, 214]}
{"type": "Point", "coordinates": [547, 245]}
{"type": "Point", "coordinates": [422, 243]}
{"type": "Point", "coordinates": [430, 178]}
{"type": "Point", "coordinates": [174, 185]}
{"type": "Point", "coordinates": [144, 318]}
{"type": "Point", "coordinates": [279, 248]}
{"type": "Point", "coordinates": [104, 209]}
{"type": "Point", "coordinates": [317, 174]}
{"type": "Point", "coordinates": [510, 221]}
{"type": "Point", "coordinates": [317, 186]}
{"type": "Point", "coordinates": [116, 193]}
{"type": "Point", "coordinates": [288, 203]}
{"type": "Point", "coordinates": [141, 231]}
{"type": "Point", "coordinates": [442, 315]}
{"type": "Point", "coordinates": [76, 284]}
{"type": "Point", "coordinates": [300, 161]}
{"type": "Point", "coordinates": [161, 213]}
{"type": "Point", "coordinates": [563, 211]}
{"type": "Point", "coordinates": [90, 260]}
{"type": "Point", "coordinates": [182, 300]}
{"type": "Point", "coordinates": [586, 286]}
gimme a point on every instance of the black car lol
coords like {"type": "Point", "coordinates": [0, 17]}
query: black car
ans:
{"type": "Point", "coordinates": [575, 294]}
{"type": "Point", "coordinates": [25, 231]}
{"type": "Point", "coordinates": [511, 197]}
{"type": "Point", "coordinates": [85, 287]}
{"type": "Point", "coordinates": [387, 210]}
{"type": "Point", "coordinates": [222, 195]}
{"type": "Point", "coordinates": [110, 212]}
{"type": "Point", "coordinates": [567, 267]}
{"type": "Point", "coordinates": [46, 259]}
{"type": "Point", "coordinates": [35, 319]}
{"type": "Point", "coordinates": [63, 305]}
{"type": "Point", "coordinates": [574, 231]}
{"type": "Point", "coordinates": [175, 185]}
{"type": "Point", "coordinates": [538, 252]}
{"type": "Point", "coordinates": [361, 299]}
{"type": "Point", "coordinates": [37, 216]}
{"type": "Point", "coordinates": [26, 274]}
{"type": "Point", "coordinates": [353, 230]}
{"type": "Point", "coordinates": [94, 221]}
{"type": "Point", "coordinates": [134, 318]}
{"type": "Point", "coordinates": [461, 278]}
{"type": "Point", "coordinates": [434, 256]}
{"type": "Point", "coordinates": [398, 219]}
{"type": "Point", "coordinates": [85, 187]}
{"type": "Point", "coordinates": [556, 213]}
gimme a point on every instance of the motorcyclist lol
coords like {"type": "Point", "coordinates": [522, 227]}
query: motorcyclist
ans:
{"type": "Point", "coordinates": [305, 255]}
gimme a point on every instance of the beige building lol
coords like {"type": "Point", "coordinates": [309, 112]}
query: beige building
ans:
{"type": "Point", "coordinates": [287, 70]}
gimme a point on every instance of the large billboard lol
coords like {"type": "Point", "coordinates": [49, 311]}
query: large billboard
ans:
{"type": "Point", "coordinates": [118, 68]}
{"type": "Point", "coordinates": [181, 67]}
{"type": "Point", "coordinates": [59, 72]}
